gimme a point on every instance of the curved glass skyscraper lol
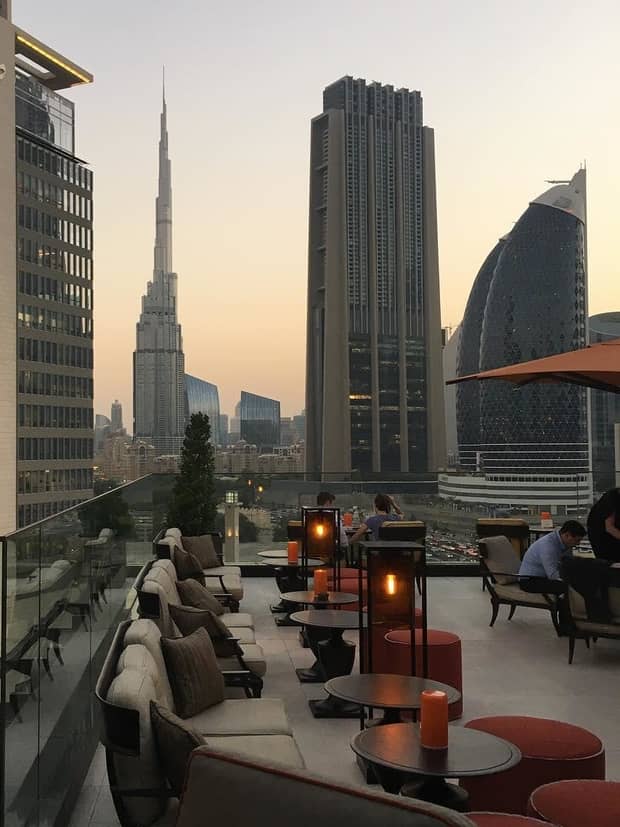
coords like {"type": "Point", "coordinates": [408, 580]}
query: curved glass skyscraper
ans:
{"type": "Point", "coordinates": [529, 300]}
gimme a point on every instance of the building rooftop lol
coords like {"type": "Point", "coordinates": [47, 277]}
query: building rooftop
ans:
{"type": "Point", "coordinates": [516, 667]}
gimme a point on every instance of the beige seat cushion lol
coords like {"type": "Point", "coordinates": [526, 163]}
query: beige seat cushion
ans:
{"type": "Point", "coordinates": [146, 633]}
{"type": "Point", "coordinates": [253, 657]}
{"type": "Point", "coordinates": [244, 716]}
{"type": "Point", "coordinates": [234, 570]}
{"type": "Point", "coordinates": [232, 585]}
{"type": "Point", "coordinates": [515, 592]}
{"type": "Point", "coordinates": [237, 619]}
{"type": "Point", "coordinates": [282, 749]}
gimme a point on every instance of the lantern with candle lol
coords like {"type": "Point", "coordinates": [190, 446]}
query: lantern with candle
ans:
{"type": "Point", "coordinates": [321, 539]}
{"type": "Point", "coordinates": [390, 569]}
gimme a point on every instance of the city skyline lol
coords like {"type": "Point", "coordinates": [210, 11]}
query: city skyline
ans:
{"type": "Point", "coordinates": [499, 136]}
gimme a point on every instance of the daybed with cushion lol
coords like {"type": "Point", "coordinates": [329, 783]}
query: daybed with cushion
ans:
{"type": "Point", "coordinates": [499, 565]}
{"type": "Point", "coordinates": [159, 703]}
{"type": "Point", "coordinates": [213, 559]}
{"type": "Point", "coordinates": [158, 590]}
{"type": "Point", "coordinates": [217, 578]}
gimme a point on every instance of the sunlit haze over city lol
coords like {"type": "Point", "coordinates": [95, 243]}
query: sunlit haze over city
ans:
{"type": "Point", "coordinates": [516, 95]}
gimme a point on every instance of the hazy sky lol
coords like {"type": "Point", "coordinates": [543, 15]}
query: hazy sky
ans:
{"type": "Point", "coordinates": [516, 93]}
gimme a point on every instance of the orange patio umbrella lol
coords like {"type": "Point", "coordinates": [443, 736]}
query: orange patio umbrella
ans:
{"type": "Point", "coordinates": [596, 366]}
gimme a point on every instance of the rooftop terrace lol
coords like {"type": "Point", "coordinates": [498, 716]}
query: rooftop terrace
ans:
{"type": "Point", "coordinates": [517, 667]}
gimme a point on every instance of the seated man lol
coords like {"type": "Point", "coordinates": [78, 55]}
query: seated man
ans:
{"type": "Point", "coordinates": [540, 567]}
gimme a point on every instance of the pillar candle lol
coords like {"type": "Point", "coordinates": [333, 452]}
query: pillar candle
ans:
{"type": "Point", "coordinates": [320, 581]}
{"type": "Point", "coordinates": [293, 552]}
{"type": "Point", "coordinates": [434, 719]}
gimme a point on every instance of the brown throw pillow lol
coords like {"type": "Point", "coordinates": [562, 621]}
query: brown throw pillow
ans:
{"type": "Point", "coordinates": [188, 619]}
{"type": "Point", "coordinates": [187, 565]}
{"type": "Point", "coordinates": [174, 742]}
{"type": "Point", "coordinates": [193, 594]}
{"type": "Point", "coordinates": [194, 675]}
{"type": "Point", "coordinates": [202, 547]}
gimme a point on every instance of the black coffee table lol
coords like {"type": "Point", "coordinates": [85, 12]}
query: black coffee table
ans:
{"type": "Point", "coordinates": [395, 754]}
{"type": "Point", "coordinates": [289, 576]}
{"type": "Point", "coordinates": [392, 693]}
{"type": "Point", "coordinates": [313, 635]}
{"type": "Point", "coordinates": [334, 655]}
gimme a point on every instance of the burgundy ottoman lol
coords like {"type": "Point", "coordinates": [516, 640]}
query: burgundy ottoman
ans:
{"type": "Point", "coordinates": [444, 659]}
{"type": "Point", "coordinates": [551, 751]}
{"type": "Point", "coordinates": [577, 803]}
{"type": "Point", "coordinates": [503, 820]}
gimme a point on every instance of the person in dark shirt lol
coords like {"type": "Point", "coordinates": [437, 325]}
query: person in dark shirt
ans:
{"type": "Point", "coordinates": [603, 526]}
{"type": "Point", "coordinates": [386, 510]}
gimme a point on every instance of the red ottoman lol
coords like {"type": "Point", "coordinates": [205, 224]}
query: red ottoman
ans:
{"type": "Point", "coordinates": [393, 655]}
{"type": "Point", "coordinates": [577, 803]}
{"type": "Point", "coordinates": [502, 820]}
{"type": "Point", "coordinates": [551, 751]}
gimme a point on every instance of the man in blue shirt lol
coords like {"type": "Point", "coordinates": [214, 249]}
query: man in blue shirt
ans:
{"type": "Point", "coordinates": [540, 567]}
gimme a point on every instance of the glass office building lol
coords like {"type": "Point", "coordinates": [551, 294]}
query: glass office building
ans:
{"type": "Point", "coordinates": [529, 301]}
{"type": "Point", "coordinates": [605, 411]}
{"type": "Point", "coordinates": [259, 421]}
{"type": "Point", "coordinates": [203, 397]}
{"type": "Point", "coordinates": [55, 424]}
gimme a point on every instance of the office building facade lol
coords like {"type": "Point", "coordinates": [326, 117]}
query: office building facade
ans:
{"type": "Point", "coordinates": [46, 273]}
{"type": "Point", "coordinates": [374, 389]}
{"type": "Point", "coordinates": [259, 421]}
{"type": "Point", "coordinates": [203, 397]}
{"type": "Point", "coordinates": [529, 300]}
{"type": "Point", "coordinates": [159, 362]}
{"type": "Point", "coordinates": [605, 411]}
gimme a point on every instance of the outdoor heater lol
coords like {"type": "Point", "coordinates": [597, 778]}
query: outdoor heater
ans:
{"type": "Point", "coordinates": [391, 567]}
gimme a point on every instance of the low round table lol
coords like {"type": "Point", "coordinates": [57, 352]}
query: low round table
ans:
{"type": "Point", "coordinates": [392, 693]}
{"type": "Point", "coordinates": [287, 577]}
{"type": "Point", "coordinates": [313, 635]}
{"type": "Point", "coordinates": [275, 553]}
{"type": "Point", "coordinates": [335, 656]}
{"type": "Point", "coordinates": [394, 752]}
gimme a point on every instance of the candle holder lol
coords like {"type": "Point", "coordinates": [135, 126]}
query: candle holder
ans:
{"type": "Point", "coordinates": [391, 568]}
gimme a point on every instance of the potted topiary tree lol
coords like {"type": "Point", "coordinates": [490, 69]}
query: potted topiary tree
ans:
{"type": "Point", "coordinates": [193, 505]}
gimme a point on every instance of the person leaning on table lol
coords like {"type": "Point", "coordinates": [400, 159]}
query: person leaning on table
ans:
{"type": "Point", "coordinates": [540, 568]}
{"type": "Point", "coordinates": [386, 511]}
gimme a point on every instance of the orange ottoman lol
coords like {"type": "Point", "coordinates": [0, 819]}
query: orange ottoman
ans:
{"type": "Point", "coordinates": [444, 659]}
{"type": "Point", "coordinates": [550, 750]}
{"type": "Point", "coordinates": [577, 803]}
{"type": "Point", "coordinates": [503, 820]}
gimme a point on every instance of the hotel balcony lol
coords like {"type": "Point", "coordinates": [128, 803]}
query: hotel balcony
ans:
{"type": "Point", "coordinates": [68, 582]}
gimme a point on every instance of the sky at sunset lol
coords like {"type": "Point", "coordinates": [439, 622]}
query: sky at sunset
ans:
{"type": "Point", "coordinates": [516, 92]}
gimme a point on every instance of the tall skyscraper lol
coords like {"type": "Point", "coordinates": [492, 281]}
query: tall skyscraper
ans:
{"type": "Point", "coordinates": [374, 385]}
{"type": "Point", "coordinates": [46, 330]}
{"type": "Point", "coordinates": [158, 363]}
{"type": "Point", "coordinates": [203, 397]}
{"type": "Point", "coordinates": [259, 421]}
{"type": "Point", "coordinates": [529, 300]}
{"type": "Point", "coordinates": [116, 417]}
{"type": "Point", "coordinates": [605, 408]}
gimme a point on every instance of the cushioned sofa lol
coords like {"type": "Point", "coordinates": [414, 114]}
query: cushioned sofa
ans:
{"type": "Point", "coordinates": [157, 589]}
{"type": "Point", "coordinates": [135, 674]}
{"type": "Point", "coordinates": [280, 797]}
{"type": "Point", "coordinates": [220, 579]}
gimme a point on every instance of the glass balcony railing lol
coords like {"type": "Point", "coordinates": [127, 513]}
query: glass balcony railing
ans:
{"type": "Point", "coordinates": [66, 584]}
